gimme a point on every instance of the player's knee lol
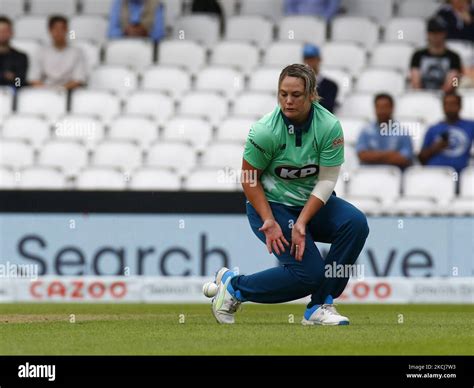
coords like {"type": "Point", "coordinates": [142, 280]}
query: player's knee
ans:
{"type": "Point", "coordinates": [359, 223]}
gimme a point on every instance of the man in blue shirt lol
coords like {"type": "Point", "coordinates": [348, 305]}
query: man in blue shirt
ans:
{"type": "Point", "coordinates": [326, 9]}
{"type": "Point", "coordinates": [448, 143]}
{"type": "Point", "coordinates": [384, 141]}
{"type": "Point", "coordinates": [137, 18]}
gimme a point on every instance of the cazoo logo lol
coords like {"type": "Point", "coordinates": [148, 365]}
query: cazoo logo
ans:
{"type": "Point", "coordinates": [291, 172]}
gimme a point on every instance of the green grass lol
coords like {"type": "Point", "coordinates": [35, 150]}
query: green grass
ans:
{"type": "Point", "coordinates": [36, 329]}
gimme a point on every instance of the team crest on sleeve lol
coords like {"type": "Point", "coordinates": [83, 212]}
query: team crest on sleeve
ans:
{"type": "Point", "coordinates": [338, 142]}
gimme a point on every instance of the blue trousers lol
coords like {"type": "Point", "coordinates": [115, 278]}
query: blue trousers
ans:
{"type": "Point", "coordinates": [338, 223]}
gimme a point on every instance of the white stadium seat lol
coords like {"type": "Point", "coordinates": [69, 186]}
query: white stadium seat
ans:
{"type": "Point", "coordinates": [415, 206]}
{"type": "Point", "coordinates": [352, 127]}
{"type": "Point", "coordinates": [235, 128]}
{"type": "Point", "coordinates": [465, 49]}
{"type": "Point", "coordinates": [155, 179]}
{"type": "Point", "coordinates": [94, 7]}
{"type": "Point", "coordinates": [177, 155]}
{"type": "Point", "coordinates": [154, 104]}
{"type": "Point", "coordinates": [466, 188]}
{"type": "Point", "coordinates": [348, 55]}
{"type": "Point", "coordinates": [50, 103]}
{"type": "Point", "coordinates": [89, 27]}
{"type": "Point", "coordinates": [254, 104]}
{"type": "Point", "coordinates": [380, 182]}
{"type": "Point", "coordinates": [359, 105]}
{"type": "Point", "coordinates": [12, 8]}
{"type": "Point", "coordinates": [168, 79]}
{"type": "Point", "coordinates": [42, 178]}
{"type": "Point", "coordinates": [344, 27]}
{"type": "Point", "coordinates": [351, 160]}
{"type": "Point", "coordinates": [375, 9]}
{"type": "Point", "coordinates": [101, 178]}
{"type": "Point", "coordinates": [271, 9]}
{"type": "Point", "coordinates": [32, 27]}
{"type": "Point", "coordinates": [187, 54]}
{"type": "Point", "coordinates": [393, 55]}
{"type": "Point", "coordinates": [241, 55]}
{"type": "Point", "coordinates": [229, 7]}
{"type": "Point", "coordinates": [433, 182]}
{"type": "Point", "coordinates": [462, 207]}
{"type": "Point", "coordinates": [283, 54]}
{"type": "Point", "coordinates": [210, 105]}
{"type": "Point", "coordinates": [406, 30]}
{"type": "Point", "coordinates": [342, 78]}
{"type": "Point", "coordinates": [265, 79]}
{"type": "Point", "coordinates": [467, 110]}
{"type": "Point", "coordinates": [91, 52]}
{"type": "Point", "coordinates": [222, 79]}
{"type": "Point", "coordinates": [202, 28]}
{"type": "Point", "coordinates": [421, 104]}
{"type": "Point", "coordinates": [254, 29]}
{"type": "Point", "coordinates": [69, 156]}
{"type": "Point", "coordinates": [206, 179]}
{"type": "Point", "coordinates": [173, 10]}
{"type": "Point", "coordinates": [6, 102]}
{"type": "Point", "coordinates": [139, 129]}
{"type": "Point", "coordinates": [223, 155]}
{"type": "Point", "coordinates": [302, 28]}
{"type": "Point", "coordinates": [7, 179]}
{"type": "Point", "coordinates": [118, 79]}
{"type": "Point", "coordinates": [53, 7]}
{"type": "Point", "coordinates": [371, 206]}
{"type": "Point", "coordinates": [135, 53]}
{"type": "Point", "coordinates": [381, 81]}
{"type": "Point", "coordinates": [86, 129]}
{"type": "Point", "coordinates": [119, 154]}
{"type": "Point", "coordinates": [30, 128]}
{"type": "Point", "coordinates": [31, 47]}
{"type": "Point", "coordinates": [101, 103]}
{"type": "Point", "coordinates": [194, 130]}
{"type": "Point", "coordinates": [418, 8]}
{"type": "Point", "coordinates": [16, 153]}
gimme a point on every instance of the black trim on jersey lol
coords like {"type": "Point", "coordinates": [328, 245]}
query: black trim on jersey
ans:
{"type": "Point", "coordinates": [298, 129]}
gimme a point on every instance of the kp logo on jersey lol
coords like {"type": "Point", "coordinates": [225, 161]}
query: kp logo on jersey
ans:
{"type": "Point", "coordinates": [291, 172]}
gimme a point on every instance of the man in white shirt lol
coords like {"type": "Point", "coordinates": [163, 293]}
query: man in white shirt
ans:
{"type": "Point", "coordinates": [60, 65]}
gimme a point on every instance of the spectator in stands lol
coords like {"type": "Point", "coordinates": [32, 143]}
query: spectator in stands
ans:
{"type": "Point", "coordinates": [459, 18]}
{"type": "Point", "coordinates": [210, 7]}
{"type": "Point", "coordinates": [448, 143]}
{"type": "Point", "coordinates": [137, 19]}
{"type": "Point", "coordinates": [326, 9]}
{"type": "Point", "coordinates": [435, 67]}
{"type": "Point", "coordinates": [60, 65]}
{"type": "Point", "coordinates": [383, 142]}
{"type": "Point", "coordinates": [327, 89]}
{"type": "Point", "coordinates": [13, 63]}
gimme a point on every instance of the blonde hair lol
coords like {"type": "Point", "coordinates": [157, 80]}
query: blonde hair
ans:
{"type": "Point", "coordinates": [306, 73]}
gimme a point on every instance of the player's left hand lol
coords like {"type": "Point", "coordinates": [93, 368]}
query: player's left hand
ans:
{"type": "Point", "coordinates": [298, 236]}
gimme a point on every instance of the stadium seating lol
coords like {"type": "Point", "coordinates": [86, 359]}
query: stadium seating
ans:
{"type": "Point", "coordinates": [89, 27]}
{"type": "Point", "coordinates": [123, 154]}
{"type": "Point", "coordinates": [244, 56]}
{"type": "Point", "coordinates": [101, 178]}
{"type": "Point", "coordinates": [380, 81]}
{"type": "Point", "coordinates": [117, 79]}
{"type": "Point", "coordinates": [144, 130]}
{"type": "Point", "coordinates": [193, 129]}
{"type": "Point", "coordinates": [381, 11]}
{"type": "Point", "coordinates": [203, 29]}
{"type": "Point", "coordinates": [42, 178]}
{"type": "Point", "coordinates": [406, 30]}
{"type": "Point", "coordinates": [31, 128]}
{"type": "Point", "coordinates": [302, 29]}
{"type": "Point", "coordinates": [32, 27]}
{"type": "Point", "coordinates": [155, 104]}
{"type": "Point", "coordinates": [7, 179]}
{"type": "Point", "coordinates": [94, 7]}
{"type": "Point", "coordinates": [283, 53]}
{"type": "Point", "coordinates": [168, 79]}
{"type": "Point", "coordinates": [254, 103]}
{"type": "Point", "coordinates": [344, 27]}
{"type": "Point", "coordinates": [205, 179]}
{"type": "Point", "coordinates": [271, 9]}
{"type": "Point", "coordinates": [49, 7]}
{"type": "Point", "coordinates": [187, 54]}
{"type": "Point", "coordinates": [392, 55]}
{"type": "Point", "coordinates": [155, 179]}
{"type": "Point", "coordinates": [12, 8]}
{"type": "Point", "coordinates": [177, 155]}
{"type": "Point", "coordinates": [16, 153]}
{"type": "Point", "coordinates": [222, 79]}
{"type": "Point", "coordinates": [252, 29]}
{"type": "Point", "coordinates": [50, 103]}
{"type": "Point", "coordinates": [67, 155]}
{"type": "Point", "coordinates": [103, 104]}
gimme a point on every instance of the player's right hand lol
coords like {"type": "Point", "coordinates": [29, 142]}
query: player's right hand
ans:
{"type": "Point", "coordinates": [274, 237]}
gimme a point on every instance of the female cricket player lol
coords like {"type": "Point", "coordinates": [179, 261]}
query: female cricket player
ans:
{"type": "Point", "coordinates": [296, 152]}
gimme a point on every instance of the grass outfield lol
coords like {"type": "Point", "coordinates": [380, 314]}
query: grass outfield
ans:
{"type": "Point", "coordinates": [260, 329]}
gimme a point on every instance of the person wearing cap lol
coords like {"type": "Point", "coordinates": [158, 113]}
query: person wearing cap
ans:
{"type": "Point", "coordinates": [435, 67]}
{"type": "Point", "coordinates": [327, 89]}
